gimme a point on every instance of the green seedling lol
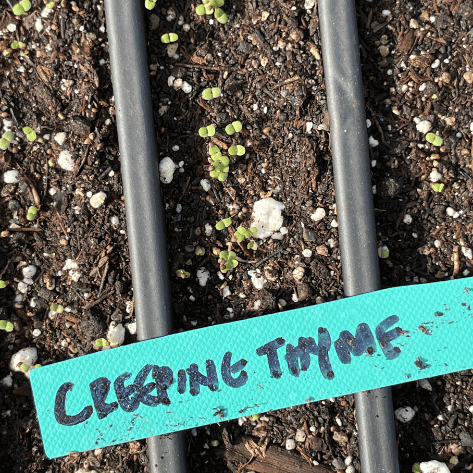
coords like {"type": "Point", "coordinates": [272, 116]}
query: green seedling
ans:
{"type": "Point", "coordinates": [383, 252]}
{"type": "Point", "coordinates": [255, 417]}
{"type": "Point", "coordinates": [438, 187]}
{"type": "Point", "coordinates": [24, 367]}
{"type": "Point", "coordinates": [100, 343]}
{"type": "Point", "coordinates": [214, 3]}
{"type": "Point", "coordinates": [236, 150]}
{"type": "Point", "coordinates": [169, 38]}
{"type": "Point", "coordinates": [2, 284]}
{"type": "Point", "coordinates": [227, 260]}
{"type": "Point", "coordinates": [6, 325]}
{"type": "Point", "coordinates": [220, 16]}
{"type": "Point", "coordinates": [51, 163]}
{"type": "Point", "coordinates": [201, 10]}
{"type": "Point", "coordinates": [150, 4]}
{"type": "Point", "coordinates": [434, 139]}
{"type": "Point", "coordinates": [32, 213]}
{"type": "Point", "coordinates": [6, 139]}
{"type": "Point", "coordinates": [56, 308]}
{"type": "Point", "coordinates": [50, 5]}
{"type": "Point", "coordinates": [211, 93]}
{"type": "Point", "coordinates": [182, 274]}
{"type": "Point", "coordinates": [22, 7]}
{"type": "Point", "coordinates": [30, 133]}
{"type": "Point", "coordinates": [32, 368]}
{"type": "Point", "coordinates": [224, 223]}
{"type": "Point", "coordinates": [214, 150]}
{"type": "Point", "coordinates": [243, 233]}
{"type": "Point", "coordinates": [220, 167]}
{"type": "Point", "coordinates": [252, 245]}
{"type": "Point", "coordinates": [207, 131]}
{"type": "Point", "coordinates": [233, 128]}
{"type": "Point", "coordinates": [17, 44]}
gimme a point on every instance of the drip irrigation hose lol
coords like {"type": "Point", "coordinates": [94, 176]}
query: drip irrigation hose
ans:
{"type": "Point", "coordinates": [144, 205]}
{"type": "Point", "coordinates": [357, 232]}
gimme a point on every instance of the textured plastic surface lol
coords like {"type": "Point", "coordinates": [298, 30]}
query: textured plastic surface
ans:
{"type": "Point", "coordinates": [357, 231]}
{"type": "Point", "coordinates": [431, 337]}
{"type": "Point", "coordinates": [144, 206]}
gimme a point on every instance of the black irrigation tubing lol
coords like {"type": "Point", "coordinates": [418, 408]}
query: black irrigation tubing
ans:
{"type": "Point", "coordinates": [144, 204]}
{"type": "Point", "coordinates": [357, 231]}
{"type": "Point", "coordinates": [145, 211]}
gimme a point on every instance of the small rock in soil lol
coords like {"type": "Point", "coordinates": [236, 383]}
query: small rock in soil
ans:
{"type": "Point", "coordinates": [466, 439]}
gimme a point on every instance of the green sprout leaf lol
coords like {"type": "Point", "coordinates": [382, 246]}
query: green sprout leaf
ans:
{"type": "Point", "coordinates": [252, 245]}
{"type": "Point", "coordinates": [53, 307]}
{"type": "Point", "coordinates": [200, 10]}
{"type": "Point", "coordinates": [30, 133]}
{"type": "Point", "coordinates": [100, 342]}
{"type": "Point", "coordinates": [60, 309]}
{"type": "Point", "coordinates": [383, 252]}
{"type": "Point", "coordinates": [207, 131]}
{"type": "Point", "coordinates": [150, 4]}
{"type": "Point", "coordinates": [24, 367]}
{"type": "Point", "coordinates": [169, 38]}
{"type": "Point", "coordinates": [182, 274]}
{"type": "Point", "coordinates": [18, 10]}
{"type": "Point", "coordinates": [3, 324]}
{"type": "Point", "coordinates": [2, 284]}
{"type": "Point", "coordinates": [438, 187]}
{"type": "Point", "coordinates": [234, 127]}
{"type": "Point", "coordinates": [224, 223]}
{"type": "Point", "coordinates": [434, 139]}
{"type": "Point", "coordinates": [215, 3]}
{"type": "Point", "coordinates": [227, 260]}
{"type": "Point", "coordinates": [8, 136]}
{"type": "Point", "coordinates": [237, 125]}
{"type": "Point", "coordinates": [32, 213]}
{"type": "Point", "coordinates": [214, 150]}
{"type": "Point", "coordinates": [236, 150]}
{"type": "Point", "coordinates": [9, 327]}
{"type": "Point", "coordinates": [211, 93]}
{"type": "Point", "coordinates": [50, 5]}
{"type": "Point", "coordinates": [221, 16]}
{"type": "Point", "coordinates": [26, 4]}
{"type": "Point", "coordinates": [6, 139]}
{"type": "Point", "coordinates": [15, 45]}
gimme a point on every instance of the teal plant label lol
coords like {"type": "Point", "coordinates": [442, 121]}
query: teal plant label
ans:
{"type": "Point", "coordinates": [247, 367]}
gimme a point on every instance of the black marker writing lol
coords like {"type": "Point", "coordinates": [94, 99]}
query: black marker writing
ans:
{"type": "Point", "coordinates": [228, 369]}
{"type": "Point", "coordinates": [60, 408]}
{"type": "Point", "coordinates": [362, 342]}
{"type": "Point", "coordinates": [196, 378]}
{"type": "Point", "coordinates": [270, 349]}
{"type": "Point", "coordinates": [384, 338]}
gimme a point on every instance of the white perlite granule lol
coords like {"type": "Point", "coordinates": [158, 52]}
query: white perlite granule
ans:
{"type": "Point", "coordinates": [65, 161]}
{"type": "Point", "coordinates": [98, 199]}
{"type": "Point", "coordinates": [267, 217]}
{"type": "Point", "coordinates": [166, 170]}
{"type": "Point", "coordinates": [11, 177]}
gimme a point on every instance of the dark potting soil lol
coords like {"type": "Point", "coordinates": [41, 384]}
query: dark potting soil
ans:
{"type": "Point", "coordinates": [416, 61]}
